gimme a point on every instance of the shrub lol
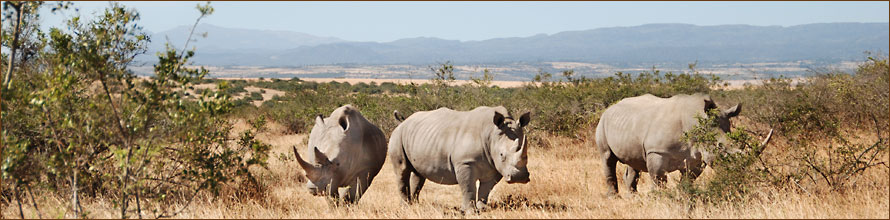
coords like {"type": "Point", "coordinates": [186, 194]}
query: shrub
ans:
{"type": "Point", "coordinates": [568, 108]}
{"type": "Point", "coordinates": [820, 117]}
{"type": "Point", "coordinates": [735, 174]}
{"type": "Point", "coordinates": [256, 96]}
{"type": "Point", "coordinates": [82, 125]}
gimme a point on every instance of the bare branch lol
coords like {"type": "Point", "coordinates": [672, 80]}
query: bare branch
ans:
{"type": "Point", "coordinates": [18, 200]}
{"type": "Point", "coordinates": [766, 141]}
{"type": "Point", "coordinates": [33, 202]}
{"type": "Point", "coordinates": [183, 207]}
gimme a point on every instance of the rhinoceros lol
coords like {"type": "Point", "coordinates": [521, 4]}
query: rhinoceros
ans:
{"type": "Point", "coordinates": [645, 133]}
{"type": "Point", "coordinates": [347, 151]}
{"type": "Point", "coordinates": [460, 147]}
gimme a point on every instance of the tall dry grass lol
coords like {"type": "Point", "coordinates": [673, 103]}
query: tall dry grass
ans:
{"type": "Point", "coordinates": [566, 182]}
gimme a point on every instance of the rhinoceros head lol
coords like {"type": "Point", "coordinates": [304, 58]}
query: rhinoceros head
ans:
{"type": "Point", "coordinates": [319, 173]}
{"type": "Point", "coordinates": [328, 134]}
{"type": "Point", "coordinates": [724, 125]}
{"type": "Point", "coordinates": [510, 148]}
{"type": "Point", "coordinates": [725, 115]}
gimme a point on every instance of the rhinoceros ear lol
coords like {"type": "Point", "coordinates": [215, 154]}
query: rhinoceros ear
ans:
{"type": "Point", "coordinates": [524, 119]}
{"type": "Point", "coordinates": [319, 120]}
{"type": "Point", "coordinates": [344, 117]}
{"type": "Point", "coordinates": [344, 122]}
{"type": "Point", "coordinates": [498, 119]}
{"type": "Point", "coordinates": [734, 111]}
{"type": "Point", "coordinates": [709, 105]}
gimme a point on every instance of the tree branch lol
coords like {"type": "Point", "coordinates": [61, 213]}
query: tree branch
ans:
{"type": "Point", "coordinates": [33, 202]}
{"type": "Point", "coordinates": [183, 207]}
{"type": "Point", "coordinates": [18, 200]}
{"type": "Point", "coordinates": [19, 9]}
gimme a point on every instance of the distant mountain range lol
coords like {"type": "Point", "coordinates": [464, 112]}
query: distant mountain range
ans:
{"type": "Point", "coordinates": [221, 39]}
{"type": "Point", "coordinates": [651, 43]}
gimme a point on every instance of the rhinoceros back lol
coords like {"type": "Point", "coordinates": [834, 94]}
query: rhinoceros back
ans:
{"type": "Point", "coordinates": [432, 141]}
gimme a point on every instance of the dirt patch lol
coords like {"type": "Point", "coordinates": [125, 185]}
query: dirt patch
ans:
{"type": "Point", "coordinates": [267, 94]}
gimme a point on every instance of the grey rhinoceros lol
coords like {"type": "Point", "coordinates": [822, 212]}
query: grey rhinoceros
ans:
{"type": "Point", "coordinates": [645, 132]}
{"type": "Point", "coordinates": [460, 147]}
{"type": "Point", "coordinates": [347, 151]}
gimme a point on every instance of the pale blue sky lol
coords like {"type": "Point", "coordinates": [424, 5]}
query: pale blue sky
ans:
{"type": "Point", "coordinates": [388, 21]}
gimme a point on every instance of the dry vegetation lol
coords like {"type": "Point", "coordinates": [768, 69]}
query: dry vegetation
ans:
{"type": "Point", "coordinates": [566, 183]}
{"type": "Point", "coordinates": [81, 130]}
{"type": "Point", "coordinates": [566, 178]}
{"type": "Point", "coordinates": [502, 84]}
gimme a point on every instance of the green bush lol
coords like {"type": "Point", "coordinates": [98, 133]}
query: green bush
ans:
{"type": "Point", "coordinates": [78, 123]}
{"type": "Point", "coordinates": [255, 96]}
{"type": "Point", "coordinates": [569, 108]}
{"type": "Point", "coordinates": [817, 118]}
{"type": "Point", "coordinates": [735, 174]}
{"type": "Point", "coordinates": [820, 117]}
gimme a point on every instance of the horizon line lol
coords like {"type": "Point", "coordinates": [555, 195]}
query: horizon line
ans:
{"type": "Point", "coordinates": [537, 34]}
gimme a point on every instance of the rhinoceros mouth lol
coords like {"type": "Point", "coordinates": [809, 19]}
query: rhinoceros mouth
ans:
{"type": "Point", "coordinates": [522, 180]}
{"type": "Point", "coordinates": [518, 181]}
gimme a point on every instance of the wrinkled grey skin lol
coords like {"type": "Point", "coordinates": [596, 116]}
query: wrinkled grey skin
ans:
{"type": "Point", "coordinates": [346, 150]}
{"type": "Point", "coordinates": [645, 132]}
{"type": "Point", "coordinates": [455, 147]}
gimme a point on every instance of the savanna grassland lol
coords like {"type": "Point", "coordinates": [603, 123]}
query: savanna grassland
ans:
{"type": "Point", "coordinates": [566, 183]}
{"type": "Point", "coordinates": [84, 137]}
{"type": "Point", "coordinates": [567, 180]}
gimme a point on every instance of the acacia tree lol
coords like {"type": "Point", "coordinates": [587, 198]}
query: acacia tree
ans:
{"type": "Point", "coordinates": [85, 123]}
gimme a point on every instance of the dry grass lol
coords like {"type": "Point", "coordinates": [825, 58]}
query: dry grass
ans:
{"type": "Point", "coordinates": [566, 183]}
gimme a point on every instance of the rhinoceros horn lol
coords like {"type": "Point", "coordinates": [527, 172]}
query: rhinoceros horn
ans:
{"type": "Point", "coordinates": [308, 167]}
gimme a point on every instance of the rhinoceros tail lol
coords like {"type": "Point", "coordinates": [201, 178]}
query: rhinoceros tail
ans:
{"type": "Point", "coordinates": [398, 116]}
{"type": "Point", "coordinates": [600, 137]}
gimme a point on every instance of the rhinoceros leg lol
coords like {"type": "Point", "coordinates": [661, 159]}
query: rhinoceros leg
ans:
{"type": "Point", "coordinates": [655, 163]}
{"type": "Point", "coordinates": [467, 182]}
{"type": "Point", "coordinates": [356, 189]}
{"type": "Point", "coordinates": [416, 185]}
{"type": "Point", "coordinates": [333, 192]}
{"type": "Point", "coordinates": [403, 170]}
{"type": "Point", "coordinates": [403, 184]}
{"type": "Point", "coordinates": [631, 176]}
{"type": "Point", "coordinates": [610, 161]}
{"type": "Point", "coordinates": [484, 190]}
